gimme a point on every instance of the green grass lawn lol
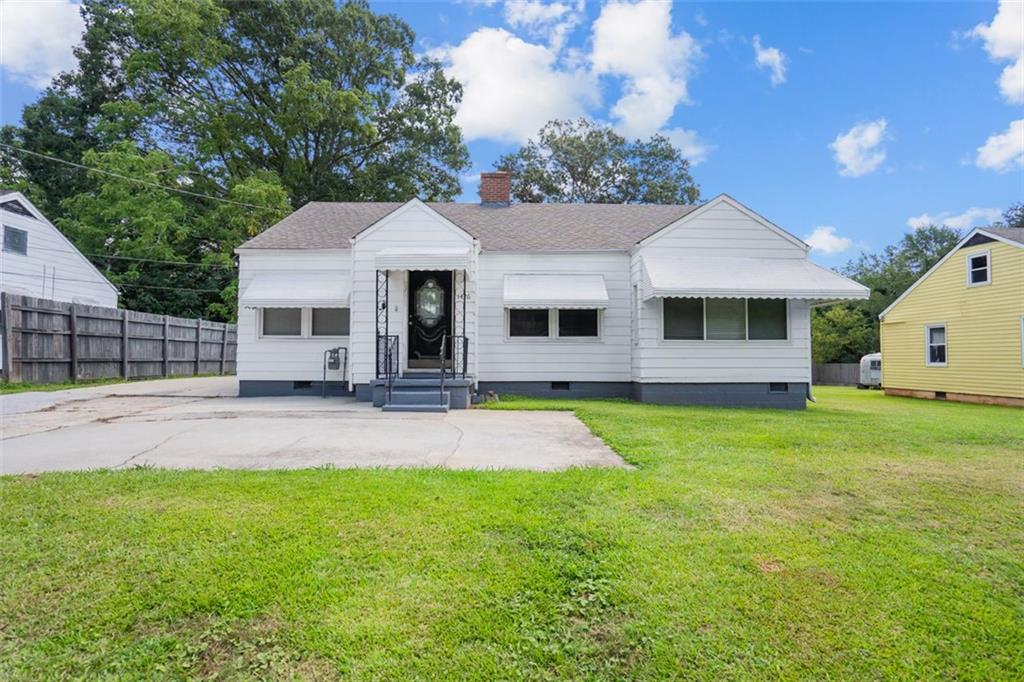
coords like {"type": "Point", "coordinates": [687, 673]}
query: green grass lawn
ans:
{"type": "Point", "coordinates": [868, 537]}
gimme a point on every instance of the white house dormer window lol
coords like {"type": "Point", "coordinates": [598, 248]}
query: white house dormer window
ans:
{"type": "Point", "coordinates": [979, 269]}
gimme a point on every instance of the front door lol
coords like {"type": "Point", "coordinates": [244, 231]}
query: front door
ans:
{"type": "Point", "coordinates": [430, 315]}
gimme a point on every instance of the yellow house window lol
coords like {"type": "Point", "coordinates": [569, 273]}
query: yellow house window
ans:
{"type": "Point", "coordinates": [935, 345]}
{"type": "Point", "coordinates": [979, 269]}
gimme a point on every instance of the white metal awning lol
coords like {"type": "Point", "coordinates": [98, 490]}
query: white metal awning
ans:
{"type": "Point", "coordinates": [724, 277]}
{"type": "Point", "coordinates": [555, 291]}
{"type": "Point", "coordinates": [423, 258]}
{"type": "Point", "coordinates": [297, 290]}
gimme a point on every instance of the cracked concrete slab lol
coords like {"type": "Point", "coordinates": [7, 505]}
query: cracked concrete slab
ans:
{"type": "Point", "coordinates": [199, 424]}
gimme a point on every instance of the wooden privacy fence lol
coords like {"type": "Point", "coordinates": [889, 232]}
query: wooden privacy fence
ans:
{"type": "Point", "coordinates": [836, 373]}
{"type": "Point", "coordinates": [48, 341]}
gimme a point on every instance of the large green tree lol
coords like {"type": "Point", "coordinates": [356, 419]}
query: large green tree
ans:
{"type": "Point", "coordinates": [168, 252]}
{"type": "Point", "coordinates": [333, 99]}
{"type": "Point", "coordinates": [581, 161]}
{"type": "Point", "coordinates": [844, 333]}
{"type": "Point", "coordinates": [279, 101]}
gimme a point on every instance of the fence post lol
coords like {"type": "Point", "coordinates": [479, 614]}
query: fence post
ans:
{"type": "Point", "coordinates": [124, 344]}
{"type": "Point", "coordinates": [73, 347]}
{"type": "Point", "coordinates": [167, 345]}
{"type": "Point", "coordinates": [223, 346]}
{"type": "Point", "coordinates": [199, 345]}
{"type": "Point", "coordinates": [11, 373]}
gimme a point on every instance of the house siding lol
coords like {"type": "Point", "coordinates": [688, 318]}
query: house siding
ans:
{"type": "Point", "coordinates": [983, 329]}
{"type": "Point", "coordinates": [605, 359]}
{"type": "Point", "coordinates": [69, 276]}
{"type": "Point", "coordinates": [287, 360]}
{"type": "Point", "coordinates": [723, 230]}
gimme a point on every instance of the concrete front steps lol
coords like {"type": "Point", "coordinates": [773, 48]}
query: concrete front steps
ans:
{"type": "Point", "coordinates": [421, 392]}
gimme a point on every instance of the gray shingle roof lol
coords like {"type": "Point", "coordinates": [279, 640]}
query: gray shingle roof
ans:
{"type": "Point", "coordinates": [519, 227]}
{"type": "Point", "coordinates": [1015, 234]}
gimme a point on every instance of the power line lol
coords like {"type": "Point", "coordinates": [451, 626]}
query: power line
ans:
{"type": "Point", "coordinates": [135, 258]}
{"type": "Point", "coordinates": [131, 179]}
{"type": "Point", "coordinates": [48, 277]}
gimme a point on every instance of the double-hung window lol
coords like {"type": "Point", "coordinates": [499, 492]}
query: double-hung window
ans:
{"type": "Point", "coordinates": [304, 322]}
{"type": "Point", "coordinates": [935, 345]}
{"type": "Point", "coordinates": [330, 321]}
{"type": "Point", "coordinates": [577, 323]}
{"type": "Point", "coordinates": [282, 322]}
{"type": "Point", "coordinates": [724, 319]}
{"type": "Point", "coordinates": [979, 269]}
{"type": "Point", "coordinates": [554, 323]}
{"type": "Point", "coordinates": [529, 323]}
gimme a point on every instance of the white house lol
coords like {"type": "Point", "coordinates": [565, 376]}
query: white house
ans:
{"type": "Point", "coordinates": [36, 259]}
{"type": "Point", "coordinates": [704, 304]}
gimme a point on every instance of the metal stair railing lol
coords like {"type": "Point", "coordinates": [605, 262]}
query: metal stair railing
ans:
{"type": "Point", "coordinates": [444, 344]}
{"type": "Point", "coordinates": [387, 360]}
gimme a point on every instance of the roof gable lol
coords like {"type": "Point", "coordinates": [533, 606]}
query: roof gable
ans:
{"type": "Point", "coordinates": [725, 199]}
{"type": "Point", "coordinates": [412, 206]}
{"type": "Point", "coordinates": [966, 241]}
{"type": "Point", "coordinates": [36, 215]}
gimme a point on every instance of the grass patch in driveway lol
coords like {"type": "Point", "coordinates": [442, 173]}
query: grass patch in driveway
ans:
{"type": "Point", "coordinates": [867, 537]}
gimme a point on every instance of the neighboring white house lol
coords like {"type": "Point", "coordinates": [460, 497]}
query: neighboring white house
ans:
{"type": "Point", "coordinates": [704, 304]}
{"type": "Point", "coordinates": [37, 260]}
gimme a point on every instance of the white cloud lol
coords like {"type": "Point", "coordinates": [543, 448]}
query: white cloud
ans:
{"type": "Point", "coordinates": [693, 147]}
{"type": "Point", "coordinates": [552, 21]}
{"type": "Point", "coordinates": [36, 38]}
{"type": "Point", "coordinates": [1004, 41]}
{"type": "Point", "coordinates": [635, 41]}
{"type": "Point", "coordinates": [972, 217]}
{"type": "Point", "coordinates": [825, 240]}
{"type": "Point", "coordinates": [1004, 151]}
{"type": "Point", "coordinates": [770, 58]}
{"type": "Point", "coordinates": [511, 88]}
{"type": "Point", "coordinates": [859, 150]}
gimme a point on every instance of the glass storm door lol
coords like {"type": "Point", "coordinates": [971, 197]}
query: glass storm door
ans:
{"type": "Point", "coordinates": [430, 314]}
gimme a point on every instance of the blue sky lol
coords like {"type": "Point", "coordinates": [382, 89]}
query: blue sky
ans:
{"type": "Point", "coordinates": [845, 123]}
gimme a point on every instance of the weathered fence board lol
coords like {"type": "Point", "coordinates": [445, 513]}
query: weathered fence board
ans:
{"type": "Point", "coordinates": [836, 374]}
{"type": "Point", "coordinates": [48, 341]}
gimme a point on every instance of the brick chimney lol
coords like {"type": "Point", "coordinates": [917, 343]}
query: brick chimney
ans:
{"type": "Point", "coordinates": [495, 188]}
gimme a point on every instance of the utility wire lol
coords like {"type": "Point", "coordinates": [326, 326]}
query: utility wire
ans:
{"type": "Point", "coordinates": [119, 285]}
{"type": "Point", "coordinates": [131, 179]}
{"type": "Point", "coordinates": [135, 258]}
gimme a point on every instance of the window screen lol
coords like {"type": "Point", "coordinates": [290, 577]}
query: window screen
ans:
{"type": "Point", "coordinates": [577, 323]}
{"type": "Point", "coordinates": [15, 240]}
{"type": "Point", "coordinates": [528, 322]}
{"type": "Point", "coordinates": [936, 345]}
{"type": "Point", "coordinates": [726, 319]}
{"type": "Point", "coordinates": [978, 268]}
{"type": "Point", "coordinates": [766, 319]}
{"type": "Point", "coordinates": [282, 321]}
{"type": "Point", "coordinates": [330, 321]}
{"type": "Point", "coordinates": [684, 319]}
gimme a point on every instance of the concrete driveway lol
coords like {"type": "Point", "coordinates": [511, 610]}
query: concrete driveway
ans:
{"type": "Point", "coordinates": [201, 424]}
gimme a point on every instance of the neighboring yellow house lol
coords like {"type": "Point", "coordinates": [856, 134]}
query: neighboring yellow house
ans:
{"type": "Point", "coordinates": [958, 332]}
